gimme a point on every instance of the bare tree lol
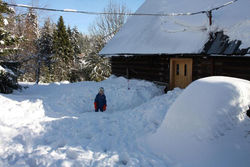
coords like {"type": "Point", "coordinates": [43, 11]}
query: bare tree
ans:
{"type": "Point", "coordinates": [103, 29]}
{"type": "Point", "coordinates": [107, 25]}
{"type": "Point", "coordinates": [29, 47]}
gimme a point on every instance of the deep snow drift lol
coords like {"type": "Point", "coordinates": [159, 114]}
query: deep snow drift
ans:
{"type": "Point", "coordinates": [54, 125]}
{"type": "Point", "coordinates": [207, 125]}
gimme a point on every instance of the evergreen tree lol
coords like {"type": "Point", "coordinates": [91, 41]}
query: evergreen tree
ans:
{"type": "Point", "coordinates": [69, 32]}
{"type": "Point", "coordinates": [45, 51]}
{"type": "Point", "coordinates": [62, 49]}
{"type": "Point", "coordinates": [98, 68]}
{"type": "Point", "coordinates": [8, 40]}
{"type": "Point", "coordinates": [75, 41]}
{"type": "Point", "coordinates": [76, 74]}
{"type": "Point", "coordinates": [74, 36]}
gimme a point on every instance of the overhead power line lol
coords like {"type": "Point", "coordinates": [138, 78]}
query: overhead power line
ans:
{"type": "Point", "coordinates": [208, 12]}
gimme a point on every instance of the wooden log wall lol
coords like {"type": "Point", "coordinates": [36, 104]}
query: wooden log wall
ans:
{"type": "Point", "coordinates": [202, 67]}
{"type": "Point", "coordinates": [151, 68]}
{"type": "Point", "coordinates": [156, 67]}
{"type": "Point", "coordinates": [238, 67]}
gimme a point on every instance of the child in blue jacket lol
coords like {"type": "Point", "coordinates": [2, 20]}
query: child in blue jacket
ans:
{"type": "Point", "coordinates": [100, 101]}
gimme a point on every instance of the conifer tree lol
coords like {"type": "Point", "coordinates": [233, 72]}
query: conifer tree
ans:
{"type": "Point", "coordinates": [8, 42]}
{"type": "Point", "coordinates": [7, 39]}
{"type": "Point", "coordinates": [45, 51]}
{"type": "Point", "coordinates": [62, 49]}
{"type": "Point", "coordinates": [75, 41]}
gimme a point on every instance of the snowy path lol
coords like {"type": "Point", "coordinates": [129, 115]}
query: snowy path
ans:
{"type": "Point", "coordinates": [51, 125]}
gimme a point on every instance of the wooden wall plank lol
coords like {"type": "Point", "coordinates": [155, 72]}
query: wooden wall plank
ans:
{"type": "Point", "coordinates": [156, 67]}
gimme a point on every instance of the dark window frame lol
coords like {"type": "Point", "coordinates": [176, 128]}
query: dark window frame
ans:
{"type": "Point", "coordinates": [185, 70]}
{"type": "Point", "coordinates": [177, 69]}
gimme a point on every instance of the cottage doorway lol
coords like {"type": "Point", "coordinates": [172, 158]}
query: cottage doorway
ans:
{"type": "Point", "coordinates": [180, 72]}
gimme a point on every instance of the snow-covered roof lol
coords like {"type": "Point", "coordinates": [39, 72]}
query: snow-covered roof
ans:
{"type": "Point", "coordinates": [180, 34]}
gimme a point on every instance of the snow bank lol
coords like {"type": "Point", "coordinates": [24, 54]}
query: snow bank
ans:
{"type": "Point", "coordinates": [55, 124]}
{"type": "Point", "coordinates": [79, 97]}
{"type": "Point", "coordinates": [207, 125]}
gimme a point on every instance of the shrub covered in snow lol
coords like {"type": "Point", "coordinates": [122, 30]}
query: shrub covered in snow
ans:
{"type": "Point", "coordinates": [8, 77]}
{"type": "Point", "coordinates": [97, 68]}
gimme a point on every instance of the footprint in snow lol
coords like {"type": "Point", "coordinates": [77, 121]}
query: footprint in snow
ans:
{"type": "Point", "coordinates": [107, 118]}
{"type": "Point", "coordinates": [88, 136]}
{"type": "Point", "coordinates": [123, 158]}
{"type": "Point", "coordinates": [72, 154]}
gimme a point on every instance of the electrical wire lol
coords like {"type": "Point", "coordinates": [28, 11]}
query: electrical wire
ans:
{"type": "Point", "coordinates": [118, 13]}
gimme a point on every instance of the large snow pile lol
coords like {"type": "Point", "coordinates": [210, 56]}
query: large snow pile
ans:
{"type": "Point", "coordinates": [54, 124]}
{"type": "Point", "coordinates": [207, 125]}
{"type": "Point", "coordinates": [180, 34]}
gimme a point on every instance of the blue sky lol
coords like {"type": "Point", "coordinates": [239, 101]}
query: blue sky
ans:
{"type": "Point", "coordinates": [79, 20]}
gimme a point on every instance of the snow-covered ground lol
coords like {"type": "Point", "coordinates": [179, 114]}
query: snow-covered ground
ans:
{"type": "Point", "coordinates": [207, 125]}
{"type": "Point", "coordinates": [54, 124]}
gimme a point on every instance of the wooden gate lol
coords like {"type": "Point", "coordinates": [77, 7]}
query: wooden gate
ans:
{"type": "Point", "coordinates": [180, 72]}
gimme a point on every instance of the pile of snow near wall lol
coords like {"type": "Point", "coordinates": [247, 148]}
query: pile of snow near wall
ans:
{"type": "Point", "coordinates": [207, 125]}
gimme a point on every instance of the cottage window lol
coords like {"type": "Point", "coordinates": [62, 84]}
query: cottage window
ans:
{"type": "Point", "coordinates": [177, 69]}
{"type": "Point", "coordinates": [185, 69]}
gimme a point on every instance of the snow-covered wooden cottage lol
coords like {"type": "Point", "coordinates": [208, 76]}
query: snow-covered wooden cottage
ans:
{"type": "Point", "coordinates": [188, 40]}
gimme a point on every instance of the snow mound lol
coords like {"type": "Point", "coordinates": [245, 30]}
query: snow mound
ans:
{"type": "Point", "coordinates": [55, 124]}
{"type": "Point", "coordinates": [79, 97]}
{"type": "Point", "coordinates": [207, 125]}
